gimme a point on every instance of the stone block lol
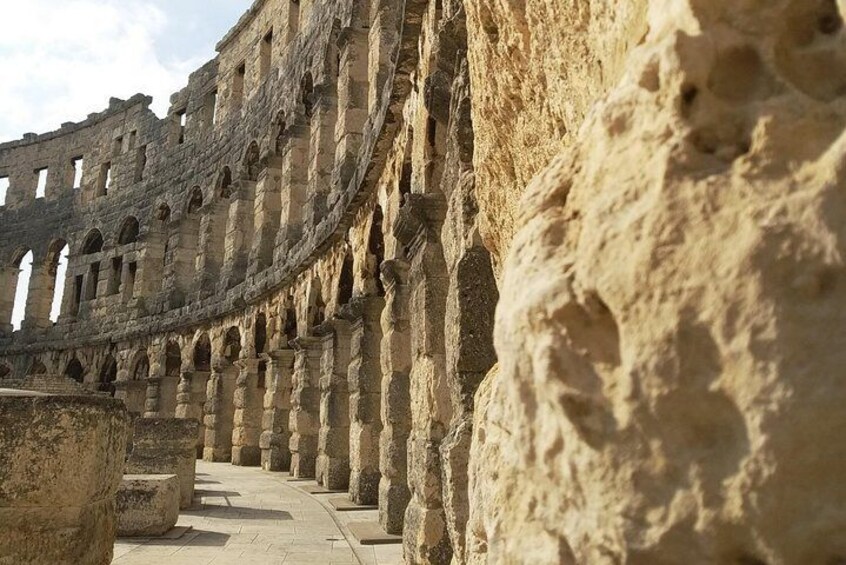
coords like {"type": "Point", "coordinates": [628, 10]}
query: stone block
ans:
{"type": "Point", "coordinates": [166, 446]}
{"type": "Point", "coordinates": [61, 460]}
{"type": "Point", "coordinates": [147, 505]}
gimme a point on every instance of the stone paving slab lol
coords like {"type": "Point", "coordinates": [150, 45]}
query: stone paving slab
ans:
{"type": "Point", "coordinates": [344, 504]}
{"type": "Point", "coordinates": [246, 516]}
{"type": "Point", "coordinates": [371, 533]}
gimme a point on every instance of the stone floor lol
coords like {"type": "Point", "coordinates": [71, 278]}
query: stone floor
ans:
{"type": "Point", "coordinates": [245, 516]}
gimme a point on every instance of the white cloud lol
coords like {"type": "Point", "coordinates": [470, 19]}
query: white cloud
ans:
{"type": "Point", "coordinates": [62, 60]}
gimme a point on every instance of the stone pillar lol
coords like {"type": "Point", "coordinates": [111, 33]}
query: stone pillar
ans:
{"type": "Point", "coordinates": [294, 182]}
{"type": "Point", "coordinates": [8, 276]}
{"type": "Point", "coordinates": [275, 436]}
{"type": "Point", "coordinates": [321, 157]}
{"type": "Point", "coordinates": [190, 397]}
{"type": "Point", "coordinates": [212, 247]}
{"type": "Point", "coordinates": [267, 216]}
{"type": "Point", "coordinates": [248, 414]}
{"type": "Point", "coordinates": [333, 446]}
{"type": "Point", "coordinates": [365, 378]}
{"type": "Point", "coordinates": [425, 534]}
{"type": "Point", "coordinates": [305, 406]}
{"type": "Point", "coordinates": [219, 412]}
{"type": "Point", "coordinates": [239, 234]}
{"type": "Point", "coordinates": [133, 394]}
{"type": "Point", "coordinates": [352, 101]}
{"type": "Point", "coordinates": [396, 400]}
{"type": "Point", "coordinates": [62, 459]}
{"type": "Point", "coordinates": [39, 299]}
{"type": "Point", "coordinates": [151, 404]}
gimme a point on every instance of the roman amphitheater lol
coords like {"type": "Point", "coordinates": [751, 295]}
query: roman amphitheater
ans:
{"type": "Point", "coordinates": [541, 281]}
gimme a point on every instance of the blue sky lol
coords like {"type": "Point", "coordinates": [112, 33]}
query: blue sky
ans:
{"type": "Point", "coordinates": [63, 59]}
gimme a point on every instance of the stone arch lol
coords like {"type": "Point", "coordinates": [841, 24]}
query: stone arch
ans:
{"type": "Point", "coordinates": [224, 183]}
{"type": "Point", "coordinates": [260, 333]}
{"type": "Point", "coordinates": [316, 313]}
{"type": "Point", "coordinates": [37, 368]}
{"type": "Point", "coordinates": [108, 375]}
{"type": "Point", "coordinates": [195, 201]}
{"type": "Point", "coordinates": [93, 242]}
{"type": "Point", "coordinates": [129, 231]}
{"type": "Point", "coordinates": [250, 163]}
{"type": "Point", "coordinates": [173, 359]}
{"type": "Point", "coordinates": [202, 353]}
{"type": "Point", "coordinates": [346, 282]}
{"type": "Point", "coordinates": [231, 349]}
{"type": "Point", "coordinates": [163, 212]}
{"type": "Point", "coordinates": [375, 255]}
{"type": "Point", "coordinates": [140, 366]}
{"type": "Point", "coordinates": [75, 371]}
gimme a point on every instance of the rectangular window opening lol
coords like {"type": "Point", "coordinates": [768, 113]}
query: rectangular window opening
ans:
{"type": "Point", "coordinates": [117, 271]}
{"type": "Point", "coordinates": [105, 179]}
{"type": "Point", "coordinates": [266, 54]}
{"type": "Point", "coordinates": [140, 163]}
{"type": "Point", "coordinates": [93, 282]}
{"type": "Point", "coordinates": [130, 280]}
{"type": "Point", "coordinates": [77, 292]}
{"type": "Point", "coordinates": [41, 188]}
{"type": "Point", "coordinates": [238, 84]}
{"type": "Point", "coordinates": [4, 189]}
{"type": "Point", "coordinates": [182, 115]}
{"type": "Point", "coordinates": [212, 106]}
{"type": "Point", "coordinates": [133, 136]}
{"type": "Point", "coordinates": [77, 163]}
{"type": "Point", "coordinates": [118, 146]}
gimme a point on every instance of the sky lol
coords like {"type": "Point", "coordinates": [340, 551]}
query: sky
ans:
{"type": "Point", "coordinates": [63, 59]}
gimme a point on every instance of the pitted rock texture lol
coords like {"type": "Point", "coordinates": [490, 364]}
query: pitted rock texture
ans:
{"type": "Point", "coordinates": [669, 382]}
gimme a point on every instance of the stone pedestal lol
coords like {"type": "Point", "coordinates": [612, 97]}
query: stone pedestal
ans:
{"type": "Point", "coordinates": [365, 378]}
{"type": "Point", "coordinates": [396, 401]}
{"type": "Point", "coordinates": [61, 461]}
{"type": "Point", "coordinates": [166, 446]}
{"type": "Point", "coordinates": [248, 413]}
{"type": "Point", "coordinates": [133, 394]}
{"type": "Point", "coordinates": [275, 436]}
{"type": "Point", "coordinates": [305, 406]}
{"type": "Point", "coordinates": [147, 505]}
{"type": "Point", "coordinates": [333, 445]}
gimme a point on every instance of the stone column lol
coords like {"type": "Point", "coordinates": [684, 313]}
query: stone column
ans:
{"type": "Point", "coordinates": [294, 182]}
{"type": "Point", "coordinates": [39, 300]}
{"type": "Point", "coordinates": [425, 534]}
{"type": "Point", "coordinates": [352, 101]}
{"type": "Point", "coordinates": [239, 234]}
{"type": "Point", "coordinates": [305, 406]}
{"type": "Point", "coordinates": [365, 378]}
{"type": "Point", "coordinates": [267, 216]}
{"type": "Point", "coordinates": [396, 400]}
{"type": "Point", "coordinates": [212, 247]}
{"type": "Point", "coordinates": [219, 411]}
{"type": "Point", "coordinates": [8, 275]}
{"type": "Point", "coordinates": [333, 446]}
{"type": "Point", "coordinates": [321, 157]}
{"type": "Point", "coordinates": [190, 397]}
{"type": "Point", "coordinates": [151, 404]}
{"type": "Point", "coordinates": [275, 436]}
{"type": "Point", "coordinates": [248, 413]}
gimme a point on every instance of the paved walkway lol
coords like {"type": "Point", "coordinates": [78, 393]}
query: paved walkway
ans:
{"type": "Point", "coordinates": [245, 516]}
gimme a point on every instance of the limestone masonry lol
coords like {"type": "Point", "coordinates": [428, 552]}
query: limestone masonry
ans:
{"type": "Point", "coordinates": [547, 281]}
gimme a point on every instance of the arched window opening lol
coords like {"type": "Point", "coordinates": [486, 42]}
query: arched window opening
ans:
{"type": "Point", "coordinates": [316, 306]}
{"type": "Point", "coordinates": [37, 368]}
{"type": "Point", "coordinates": [129, 231]}
{"type": "Point", "coordinates": [108, 376]}
{"type": "Point", "coordinates": [346, 281]}
{"type": "Point", "coordinates": [75, 371]}
{"type": "Point", "coordinates": [195, 200]}
{"type": "Point", "coordinates": [307, 94]}
{"type": "Point", "coordinates": [260, 333]}
{"type": "Point", "coordinates": [24, 264]}
{"type": "Point", "coordinates": [202, 354]}
{"type": "Point", "coordinates": [58, 271]}
{"type": "Point", "coordinates": [232, 344]}
{"type": "Point", "coordinates": [225, 183]}
{"type": "Point", "coordinates": [93, 242]}
{"type": "Point", "coordinates": [173, 359]}
{"type": "Point", "coordinates": [142, 368]}
{"type": "Point", "coordinates": [250, 168]}
{"type": "Point", "coordinates": [376, 253]}
{"type": "Point", "coordinates": [5, 372]}
{"type": "Point", "coordinates": [262, 375]}
{"type": "Point", "coordinates": [290, 325]}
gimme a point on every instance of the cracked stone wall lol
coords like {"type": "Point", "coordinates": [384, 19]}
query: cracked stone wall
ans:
{"type": "Point", "coordinates": [675, 283]}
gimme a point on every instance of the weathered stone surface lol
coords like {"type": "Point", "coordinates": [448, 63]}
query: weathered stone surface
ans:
{"type": "Point", "coordinates": [147, 505]}
{"type": "Point", "coordinates": [166, 446]}
{"type": "Point", "coordinates": [61, 459]}
{"type": "Point", "coordinates": [669, 387]}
